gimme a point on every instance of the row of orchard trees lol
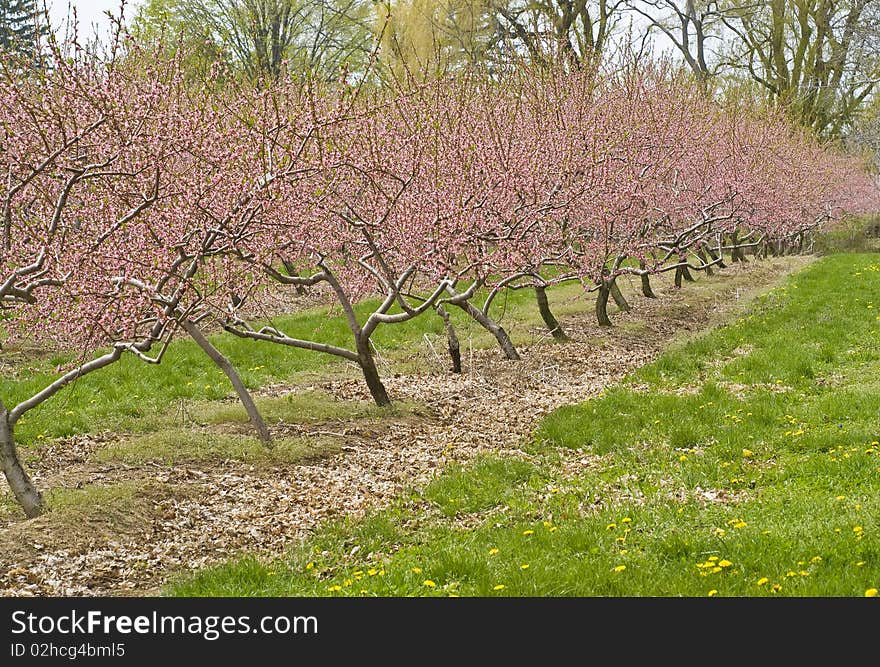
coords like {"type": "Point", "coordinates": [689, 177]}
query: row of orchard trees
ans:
{"type": "Point", "coordinates": [138, 206]}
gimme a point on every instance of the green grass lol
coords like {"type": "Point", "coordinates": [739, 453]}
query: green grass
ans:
{"type": "Point", "coordinates": [132, 396]}
{"type": "Point", "coordinates": [171, 446]}
{"type": "Point", "coordinates": [743, 462]}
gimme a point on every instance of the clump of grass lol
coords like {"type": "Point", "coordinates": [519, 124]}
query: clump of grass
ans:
{"type": "Point", "coordinates": [170, 446]}
{"type": "Point", "coordinates": [297, 408]}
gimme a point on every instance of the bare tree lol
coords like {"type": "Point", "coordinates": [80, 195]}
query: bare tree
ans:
{"type": "Point", "coordinates": [577, 30]}
{"type": "Point", "coordinates": [689, 25]}
{"type": "Point", "coordinates": [817, 58]}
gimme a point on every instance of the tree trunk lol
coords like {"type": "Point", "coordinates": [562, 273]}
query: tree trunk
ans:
{"type": "Point", "coordinates": [492, 327]}
{"type": "Point", "coordinates": [451, 339]}
{"type": "Point", "coordinates": [547, 315]}
{"type": "Point", "coordinates": [602, 305]}
{"type": "Point", "coordinates": [705, 261]}
{"type": "Point", "coordinates": [734, 255]}
{"type": "Point", "coordinates": [716, 258]}
{"type": "Point", "coordinates": [646, 283]}
{"type": "Point", "coordinates": [618, 297]}
{"type": "Point", "coordinates": [678, 277]}
{"type": "Point", "coordinates": [371, 373]}
{"type": "Point", "coordinates": [243, 394]}
{"type": "Point", "coordinates": [22, 487]}
{"type": "Point", "coordinates": [686, 274]}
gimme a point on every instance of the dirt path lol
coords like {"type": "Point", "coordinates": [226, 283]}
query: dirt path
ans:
{"type": "Point", "coordinates": [168, 519]}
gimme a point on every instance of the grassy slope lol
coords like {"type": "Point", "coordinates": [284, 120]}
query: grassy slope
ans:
{"type": "Point", "coordinates": [743, 462]}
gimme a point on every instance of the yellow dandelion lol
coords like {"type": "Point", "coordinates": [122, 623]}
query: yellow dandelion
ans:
{"type": "Point", "coordinates": [871, 593]}
{"type": "Point", "coordinates": [747, 453]}
{"type": "Point", "coordinates": [816, 559]}
{"type": "Point", "coordinates": [860, 563]}
{"type": "Point", "coordinates": [611, 526]}
{"type": "Point", "coordinates": [372, 572]}
{"type": "Point", "coordinates": [803, 573]}
{"type": "Point", "coordinates": [682, 458]}
{"type": "Point", "coordinates": [524, 566]}
{"type": "Point", "coordinates": [416, 570]}
{"type": "Point", "coordinates": [762, 581]}
{"type": "Point", "coordinates": [619, 568]}
{"type": "Point", "coordinates": [528, 532]}
{"type": "Point", "coordinates": [552, 529]}
{"type": "Point", "coordinates": [715, 570]}
{"type": "Point", "coordinates": [499, 587]}
{"type": "Point", "coordinates": [720, 532]}
{"type": "Point", "coordinates": [791, 573]}
{"type": "Point", "coordinates": [713, 592]}
{"type": "Point", "coordinates": [311, 565]}
{"type": "Point", "coordinates": [626, 519]}
{"type": "Point", "coordinates": [335, 588]}
{"type": "Point", "coordinates": [493, 551]}
{"type": "Point", "coordinates": [724, 563]}
{"type": "Point", "coordinates": [429, 583]}
{"type": "Point", "coordinates": [712, 559]}
{"type": "Point", "coordinates": [740, 524]}
{"type": "Point", "coordinates": [776, 588]}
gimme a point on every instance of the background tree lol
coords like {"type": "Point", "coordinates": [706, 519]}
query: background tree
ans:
{"type": "Point", "coordinates": [578, 31]}
{"type": "Point", "coordinates": [22, 27]}
{"type": "Point", "coordinates": [261, 38]}
{"type": "Point", "coordinates": [818, 59]}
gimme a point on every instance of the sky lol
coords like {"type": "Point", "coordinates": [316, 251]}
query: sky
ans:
{"type": "Point", "coordinates": [89, 13]}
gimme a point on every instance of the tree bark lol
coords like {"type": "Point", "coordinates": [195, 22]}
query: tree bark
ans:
{"type": "Point", "coordinates": [547, 315]}
{"type": "Point", "coordinates": [646, 283]}
{"type": "Point", "coordinates": [371, 373]}
{"type": "Point", "coordinates": [734, 257]}
{"type": "Point", "coordinates": [602, 305]}
{"type": "Point", "coordinates": [705, 261]}
{"type": "Point", "coordinates": [618, 297]}
{"type": "Point", "coordinates": [715, 258]}
{"type": "Point", "coordinates": [736, 254]}
{"type": "Point", "coordinates": [492, 327]}
{"type": "Point", "coordinates": [224, 364]}
{"type": "Point", "coordinates": [21, 485]}
{"type": "Point", "coordinates": [451, 339]}
{"type": "Point", "coordinates": [686, 274]}
{"type": "Point", "coordinates": [678, 274]}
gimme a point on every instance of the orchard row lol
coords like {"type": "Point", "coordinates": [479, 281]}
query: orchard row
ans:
{"type": "Point", "coordinates": [139, 205]}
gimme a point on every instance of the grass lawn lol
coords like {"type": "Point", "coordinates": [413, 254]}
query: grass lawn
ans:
{"type": "Point", "coordinates": [743, 462]}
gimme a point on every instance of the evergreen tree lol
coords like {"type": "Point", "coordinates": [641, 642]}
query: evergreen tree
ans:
{"type": "Point", "coordinates": [22, 25]}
